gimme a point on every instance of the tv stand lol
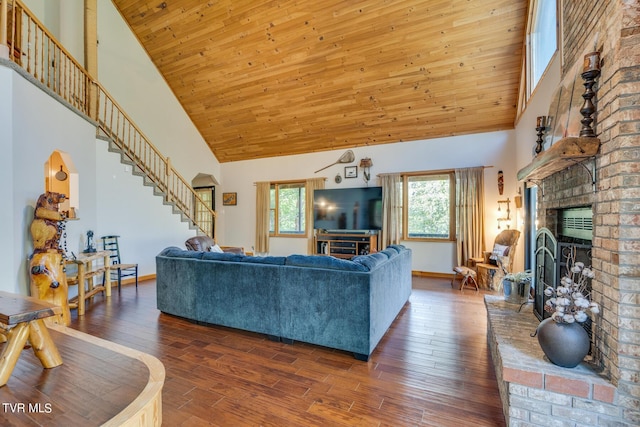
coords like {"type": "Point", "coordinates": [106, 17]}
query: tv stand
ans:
{"type": "Point", "coordinates": [345, 245]}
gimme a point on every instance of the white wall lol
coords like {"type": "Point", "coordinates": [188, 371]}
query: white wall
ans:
{"type": "Point", "coordinates": [526, 135]}
{"type": "Point", "coordinates": [112, 201]}
{"type": "Point", "coordinates": [236, 224]}
{"type": "Point", "coordinates": [538, 105]}
{"type": "Point", "coordinates": [7, 213]}
{"type": "Point", "coordinates": [39, 126]}
{"type": "Point", "coordinates": [129, 209]}
{"type": "Point", "coordinates": [64, 20]}
{"type": "Point", "coordinates": [128, 74]}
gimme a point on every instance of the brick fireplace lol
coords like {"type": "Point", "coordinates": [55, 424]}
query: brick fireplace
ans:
{"type": "Point", "coordinates": [607, 391]}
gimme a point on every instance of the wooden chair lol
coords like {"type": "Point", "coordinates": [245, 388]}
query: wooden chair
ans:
{"type": "Point", "coordinates": [118, 269]}
{"type": "Point", "coordinates": [490, 275]}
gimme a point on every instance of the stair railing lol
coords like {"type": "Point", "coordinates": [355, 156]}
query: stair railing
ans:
{"type": "Point", "coordinates": [133, 143]}
{"type": "Point", "coordinates": [34, 49]}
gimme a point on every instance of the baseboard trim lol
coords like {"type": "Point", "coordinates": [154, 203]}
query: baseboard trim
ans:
{"type": "Point", "coordinates": [431, 274]}
{"type": "Point", "coordinates": [130, 281]}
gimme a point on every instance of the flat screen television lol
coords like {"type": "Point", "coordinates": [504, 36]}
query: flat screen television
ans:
{"type": "Point", "coordinates": [348, 209]}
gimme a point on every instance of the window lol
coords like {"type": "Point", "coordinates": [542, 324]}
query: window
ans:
{"type": "Point", "coordinates": [429, 201]}
{"type": "Point", "coordinates": [287, 213]}
{"type": "Point", "coordinates": [542, 43]}
{"type": "Point", "coordinates": [543, 37]}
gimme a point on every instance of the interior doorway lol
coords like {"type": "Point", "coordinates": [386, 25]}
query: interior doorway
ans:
{"type": "Point", "coordinates": [204, 186]}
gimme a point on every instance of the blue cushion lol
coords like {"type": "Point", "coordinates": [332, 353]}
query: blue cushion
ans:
{"type": "Point", "coordinates": [370, 261]}
{"type": "Point", "coordinates": [390, 252]}
{"type": "Point", "coordinates": [399, 248]}
{"type": "Point", "coordinates": [175, 252]}
{"type": "Point", "coordinates": [275, 260]}
{"type": "Point", "coordinates": [320, 261]}
{"type": "Point", "coordinates": [222, 256]}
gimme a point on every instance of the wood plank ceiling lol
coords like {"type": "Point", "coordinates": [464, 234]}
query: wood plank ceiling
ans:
{"type": "Point", "coordinates": [272, 78]}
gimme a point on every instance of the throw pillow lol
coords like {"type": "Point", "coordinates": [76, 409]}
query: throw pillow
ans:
{"type": "Point", "coordinates": [500, 250]}
{"type": "Point", "coordinates": [215, 248]}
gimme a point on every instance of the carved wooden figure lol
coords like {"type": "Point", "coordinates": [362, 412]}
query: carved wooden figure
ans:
{"type": "Point", "coordinates": [48, 281]}
{"type": "Point", "coordinates": [45, 230]}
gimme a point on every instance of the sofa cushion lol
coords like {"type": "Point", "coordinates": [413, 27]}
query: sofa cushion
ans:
{"type": "Point", "coordinates": [176, 252]}
{"type": "Point", "coordinates": [390, 252]}
{"type": "Point", "coordinates": [370, 261]}
{"type": "Point", "coordinates": [398, 248]}
{"type": "Point", "coordinates": [273, 260]}
{"type": "Point", "coordinates": [320, 261]}
{"type": "Point", "coordinates": [222, 256]}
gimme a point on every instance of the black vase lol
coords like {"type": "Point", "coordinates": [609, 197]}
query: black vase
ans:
{"type": "Point", "coordinates": [565, 344]}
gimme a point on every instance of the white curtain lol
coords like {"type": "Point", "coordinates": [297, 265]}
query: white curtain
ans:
{"type": "Point", "coordinates": [391, 209]}
{"type": "Point", "coordinates": [263, 206]}
{"type": "Point", "coordinates": [311, 185]}
{"type": "Point", "coordinates": [469, 213]}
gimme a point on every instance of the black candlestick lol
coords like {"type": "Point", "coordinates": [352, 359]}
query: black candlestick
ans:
{"type": "Point", "coordinates": [540, 128]}
{"type": "Point", "coordinates": [591, 71]}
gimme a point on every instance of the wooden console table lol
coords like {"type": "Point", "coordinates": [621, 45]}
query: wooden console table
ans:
{"type": "Point", "coordinates": [21, 320]}
{"type": "Point", "coordinates": [88, 268]}
{"type": "Point", "coordinates": [345, 245]}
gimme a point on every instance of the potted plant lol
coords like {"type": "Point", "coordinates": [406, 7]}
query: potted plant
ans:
{"type": "Point", "coordinates": [516, 286]}
{"type": "Point", "coordinates": [561, 336]}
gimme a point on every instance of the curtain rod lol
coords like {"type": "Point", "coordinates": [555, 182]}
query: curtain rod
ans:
{"type": "Point", "coordinates": [291, 181]}
{"type": "Point", "coordinates": [430, 171]}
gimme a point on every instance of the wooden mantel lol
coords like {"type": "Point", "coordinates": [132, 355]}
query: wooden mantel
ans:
{"type": "Point", "coordinates": [560, 155]}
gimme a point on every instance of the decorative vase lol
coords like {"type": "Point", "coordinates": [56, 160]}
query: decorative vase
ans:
{"type": "Point", "coordinates": [506, 288]}
{"type": "Point", "coordinates": [516, 292]}
{"type": "Point", "coordinates": [565, 344]}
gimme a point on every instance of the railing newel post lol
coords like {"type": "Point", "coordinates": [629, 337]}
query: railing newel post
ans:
{"type": "Point", "coordinates": [4, 28]}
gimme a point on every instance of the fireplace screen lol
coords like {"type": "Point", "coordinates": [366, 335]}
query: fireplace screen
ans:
{"type": "Point", "coordinates": [551, 265]}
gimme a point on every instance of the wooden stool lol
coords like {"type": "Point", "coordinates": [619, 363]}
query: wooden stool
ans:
{"type": "Point", "coordinates": [21, 320]}
{"type": "Point", "coordinates": [468, 277]}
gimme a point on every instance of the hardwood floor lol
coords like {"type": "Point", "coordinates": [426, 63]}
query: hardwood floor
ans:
{"type": "Point", "coordinates": [432, 368]}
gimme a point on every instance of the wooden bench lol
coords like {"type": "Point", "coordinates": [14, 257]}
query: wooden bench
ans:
{"type": "Point", "coordinates": [21, 320]}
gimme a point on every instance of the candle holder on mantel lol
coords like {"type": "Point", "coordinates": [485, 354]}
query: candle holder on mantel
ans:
{"type": "Point", "coordinates": [541, 125]}
{"type": "Point", "coordinates": [591, 71]}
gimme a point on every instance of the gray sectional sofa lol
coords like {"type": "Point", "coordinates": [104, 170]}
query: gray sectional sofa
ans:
{"type": "Point", "coordinates": [322, 300]}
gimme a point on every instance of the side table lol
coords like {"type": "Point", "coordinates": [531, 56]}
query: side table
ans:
{"type": "Point", "coordinates": [21, 320]}
{"type": "Point", "coordinates": [89, 267]}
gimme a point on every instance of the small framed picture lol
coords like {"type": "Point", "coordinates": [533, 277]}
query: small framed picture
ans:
{"type": "Point", "coordinates": [351, 172]}
{"type": "Point", "coordinates": [229, 199]}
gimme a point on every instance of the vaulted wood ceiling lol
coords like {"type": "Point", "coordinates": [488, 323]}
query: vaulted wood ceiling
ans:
{"type": "Point", "coordinates": [271, 78]}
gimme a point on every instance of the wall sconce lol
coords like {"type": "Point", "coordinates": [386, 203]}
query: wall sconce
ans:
{"type": "Point", "coordinates": [61, 175]}
{"type": "Point", "coordinates": [366, 164]}
{"type": "Point", "coordinates": [507, 213]}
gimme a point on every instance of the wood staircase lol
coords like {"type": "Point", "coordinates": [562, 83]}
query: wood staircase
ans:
{"type": "Point", "coordinates": [38, 54]}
